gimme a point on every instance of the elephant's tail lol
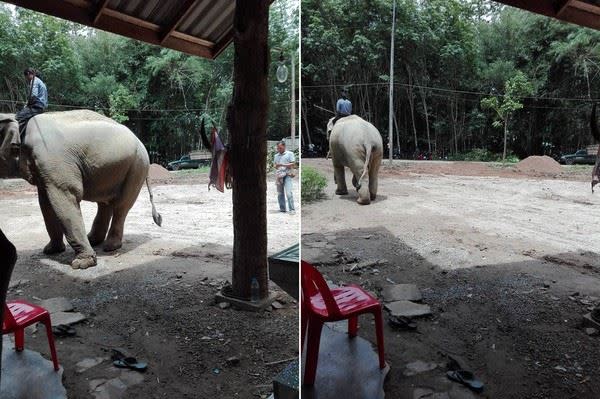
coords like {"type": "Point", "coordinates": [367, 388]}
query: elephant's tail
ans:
{"type": "Point", "coordinates": [155, 215]}
{"type": "Point", "coordinates": [368, 150]}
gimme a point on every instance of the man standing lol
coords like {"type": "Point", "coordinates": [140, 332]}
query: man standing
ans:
{"type": "Point", "coordinates": [37, 101]}
{"type": "Point", "coordinates": [284, 164]}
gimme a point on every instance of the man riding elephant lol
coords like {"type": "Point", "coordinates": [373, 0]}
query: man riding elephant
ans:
{"type": "Point", "coordinates": [37, 101]}
{"type": "Point", "coordinates": [356, 144]}
{"type": "Point", "coordinates": [73, 156]}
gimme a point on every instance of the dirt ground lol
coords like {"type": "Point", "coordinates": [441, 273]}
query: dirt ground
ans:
{"type": "Point", "coordinates": [154, 297]}
{"type": "Point", "coordinates": [507, 260]}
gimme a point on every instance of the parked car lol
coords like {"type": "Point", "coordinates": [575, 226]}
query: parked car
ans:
{"type": "Point", "coordinates": [185, 162]}
{"type": "Point", "coordinates": [580, 157]}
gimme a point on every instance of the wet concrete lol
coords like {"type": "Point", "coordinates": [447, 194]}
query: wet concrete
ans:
{"type": "Point", "coordinates": [27, 375]}
{"type": "Point", "coordinates": [347, 368]}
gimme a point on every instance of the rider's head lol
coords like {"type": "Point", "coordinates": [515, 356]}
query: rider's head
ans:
{"type": "Point", "coordinates": [29, 73]}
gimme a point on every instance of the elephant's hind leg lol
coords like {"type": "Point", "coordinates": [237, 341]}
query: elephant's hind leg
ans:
{"type": "Point", "coordinates": [101, 223]}
{"type": "Point", "coordinates": [374, 177]}
{"type": "Point", "coordinates": [121, 206]}
{"type": "Point", "coordinates": [340, 179]}
{"type": "Point", "coordinates": [53, 226]}
{"type": "Point", "coordinates": [67, 210]}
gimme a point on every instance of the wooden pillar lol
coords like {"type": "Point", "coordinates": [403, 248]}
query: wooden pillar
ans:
{"type": "Point", "coordinates": [8, 257]}
{"type": "Point", "coordinates": [247, 120]}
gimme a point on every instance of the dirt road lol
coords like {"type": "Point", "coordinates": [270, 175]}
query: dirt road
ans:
{"type": "Point", "coordinates": [154, 297]}
{"type": "Point", "coordinates": [508, 262]}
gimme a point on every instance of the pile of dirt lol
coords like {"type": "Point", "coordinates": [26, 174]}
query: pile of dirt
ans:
{"type": "Point", "coordinates": [157, 172]}
{"type": "Point", "coordinates": [539, 164]}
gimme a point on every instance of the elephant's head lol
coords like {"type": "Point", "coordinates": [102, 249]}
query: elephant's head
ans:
{"type": "Point", "coordinates": [9, 137]}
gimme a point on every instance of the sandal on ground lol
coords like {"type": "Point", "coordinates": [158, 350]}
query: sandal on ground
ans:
{"type": "Point", "coordinates": [466, 378]}
{"type": "Point", "coordinates": [401, 323]}
{"type": "Point", "coordinates": [63, 330]}
{"type": "Point", "coordinates": [130, 363]}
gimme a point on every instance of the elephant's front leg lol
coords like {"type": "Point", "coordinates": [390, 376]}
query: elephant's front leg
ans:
{"type": "Point", "coordinates": [67, 210]}
{"type": "Point", "coordinates": [101, 223]}
{"type": "Point", "coordinates": [53, 226]}
{"type": "Point", "coordinates": [340, 179]}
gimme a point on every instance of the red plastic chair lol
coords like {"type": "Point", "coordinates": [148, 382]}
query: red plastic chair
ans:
{"type": "Point", "coordinates": [320, 305]}
{"type": "Point", "coordinates": [20, 314]}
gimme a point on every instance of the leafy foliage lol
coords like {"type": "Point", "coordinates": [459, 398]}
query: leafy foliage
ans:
{"type": "Point", "coordinates": [160, 94]}
{"type": "Point", "coordinates": [449, 56]}
{"type": "Point", "coordinates": [313, 184]}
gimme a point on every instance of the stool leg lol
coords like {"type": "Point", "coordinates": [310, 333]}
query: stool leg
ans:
{"type": "Point", "coordinates": [48, 325]}
{"type": "Point", "coordinates": [19, 339]}
{"type": "Point", "coordinates": [315, 327]}
{"type": "Point", "coordinates": [304, 325]}
{"type": "Point", "coordinates": [353, 326]}
{"type": "Point", "coordinates": [379, 332]}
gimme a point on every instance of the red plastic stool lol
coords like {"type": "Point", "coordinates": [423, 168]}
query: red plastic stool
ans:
{"type": "Point", "coordinates": [321, 305]}
{"type": "Point", "coordinates": [20, 314]}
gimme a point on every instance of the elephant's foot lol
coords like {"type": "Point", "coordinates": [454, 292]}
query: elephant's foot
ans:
{"type": "Point", "coordinates": [341, 192]}
{"type": "Point", "coordinates": [95, 240]}
{"type": "Point", "coordinates": [362, 201]}
{"type": "Point", "coordinates": [54, 248]}
{"type": "Point", "coordinates": [84, 261]}
{"type": "Point", "coordinates": [373, 196]}
{"type": "Point", "coordinates": [112, 245]}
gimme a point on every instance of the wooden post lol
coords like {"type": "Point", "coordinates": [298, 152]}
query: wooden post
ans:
{"type": "Point", "coordinates": [8, 257]}
{"type": "Point", "coordinates": [247, 120]}
{"type": "Point", "coordinates": [391, 101]}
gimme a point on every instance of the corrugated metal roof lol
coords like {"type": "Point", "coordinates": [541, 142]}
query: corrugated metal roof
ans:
{"type": "Point", "coordinates": [199, 27]}
{"type": "Point", "coordinates": [581, 12]}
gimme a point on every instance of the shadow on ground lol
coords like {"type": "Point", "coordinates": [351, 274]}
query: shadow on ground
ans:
{"type": "Point", "coordinates": [517, 326]}
{"type": "Point", "coordinates": [163, 312]}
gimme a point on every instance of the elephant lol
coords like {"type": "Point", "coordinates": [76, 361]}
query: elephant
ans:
{"type": "Point", "coordinates": [79, 155]}
{"type": "Point", "coordinates": [356, 144]}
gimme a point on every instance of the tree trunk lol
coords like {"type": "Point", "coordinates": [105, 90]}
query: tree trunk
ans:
{"type": "Point", "coordinates": [424, 100]}
{"type": "Point", "coordinates": [247, 121]}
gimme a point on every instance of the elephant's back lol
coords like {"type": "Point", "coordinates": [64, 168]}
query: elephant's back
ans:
{"type": "Point", "coordinates": [354, 129]}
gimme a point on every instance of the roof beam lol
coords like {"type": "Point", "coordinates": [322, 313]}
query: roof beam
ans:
{"type": "Point", "coordinates": [561, 9]}
{"type": "Point", "coordinates": [113, 21]}
{"type": "Point", "coordinates": [99, 10]}
{"type": "Point", "coordinates": [183, 12]}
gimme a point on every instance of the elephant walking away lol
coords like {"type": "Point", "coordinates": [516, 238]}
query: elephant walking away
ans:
{"type": "Point", "coordinates": [356, 144]}
{"type": "Point", "coordinates": [79, 155]}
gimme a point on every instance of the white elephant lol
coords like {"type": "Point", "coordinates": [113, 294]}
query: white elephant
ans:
{"type": "Point", "coordinates": [79, 155]}
{"type": "Point", "coordinates": [356, 144]}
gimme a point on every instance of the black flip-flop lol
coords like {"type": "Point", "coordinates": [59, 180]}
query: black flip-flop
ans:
{"type": "Point", "coordinates": [401, 323]}
{"type": "Point", "coordinates": [466, 378]}
{"type": "Point", "coordinates": [130, 363]}
{"type": "Point", "coordinates": [63, 330]}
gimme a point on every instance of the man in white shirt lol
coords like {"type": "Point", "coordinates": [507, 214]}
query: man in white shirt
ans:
{"type": "Point", "coordinates": [284, 164]}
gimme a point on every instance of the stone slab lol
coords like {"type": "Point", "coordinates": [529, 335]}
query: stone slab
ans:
{"type": "Point", "coordinates": [418, 367]}
{"type": "Point", "coordinates": [286, 384]}
{"type": "Point", "coordinates": [348, 368]}
{"type": "Point", "coordinates": [28, 375]}
{"type": "Point", "coordinates": [116, 388]}
{"type": "Point", "coordinates": [589, 322]}
{"type": "Point", "coordinates": [247, 305]}
{"type": "Point", "coordinates": [407, 309]}
{"type": "Point", "coordinates": [67, 318]}
{"type": "Point", "coordinates": [59, 304]}
{"type": "Point", "coordinates": [88, 363]}
{"type": "Point", "coordinates": [401, 292]}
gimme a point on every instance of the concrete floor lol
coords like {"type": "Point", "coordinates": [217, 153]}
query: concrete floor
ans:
{"type": "Point", "coordinates": [347, 368]}
{"type": "Point", "coordinates": [27, 375]}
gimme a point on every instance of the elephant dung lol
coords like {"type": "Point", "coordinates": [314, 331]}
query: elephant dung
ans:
{"type": "Point", "coordinates": [401, 292]}
{"type": "Point", "coordinates": [407, 309]}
